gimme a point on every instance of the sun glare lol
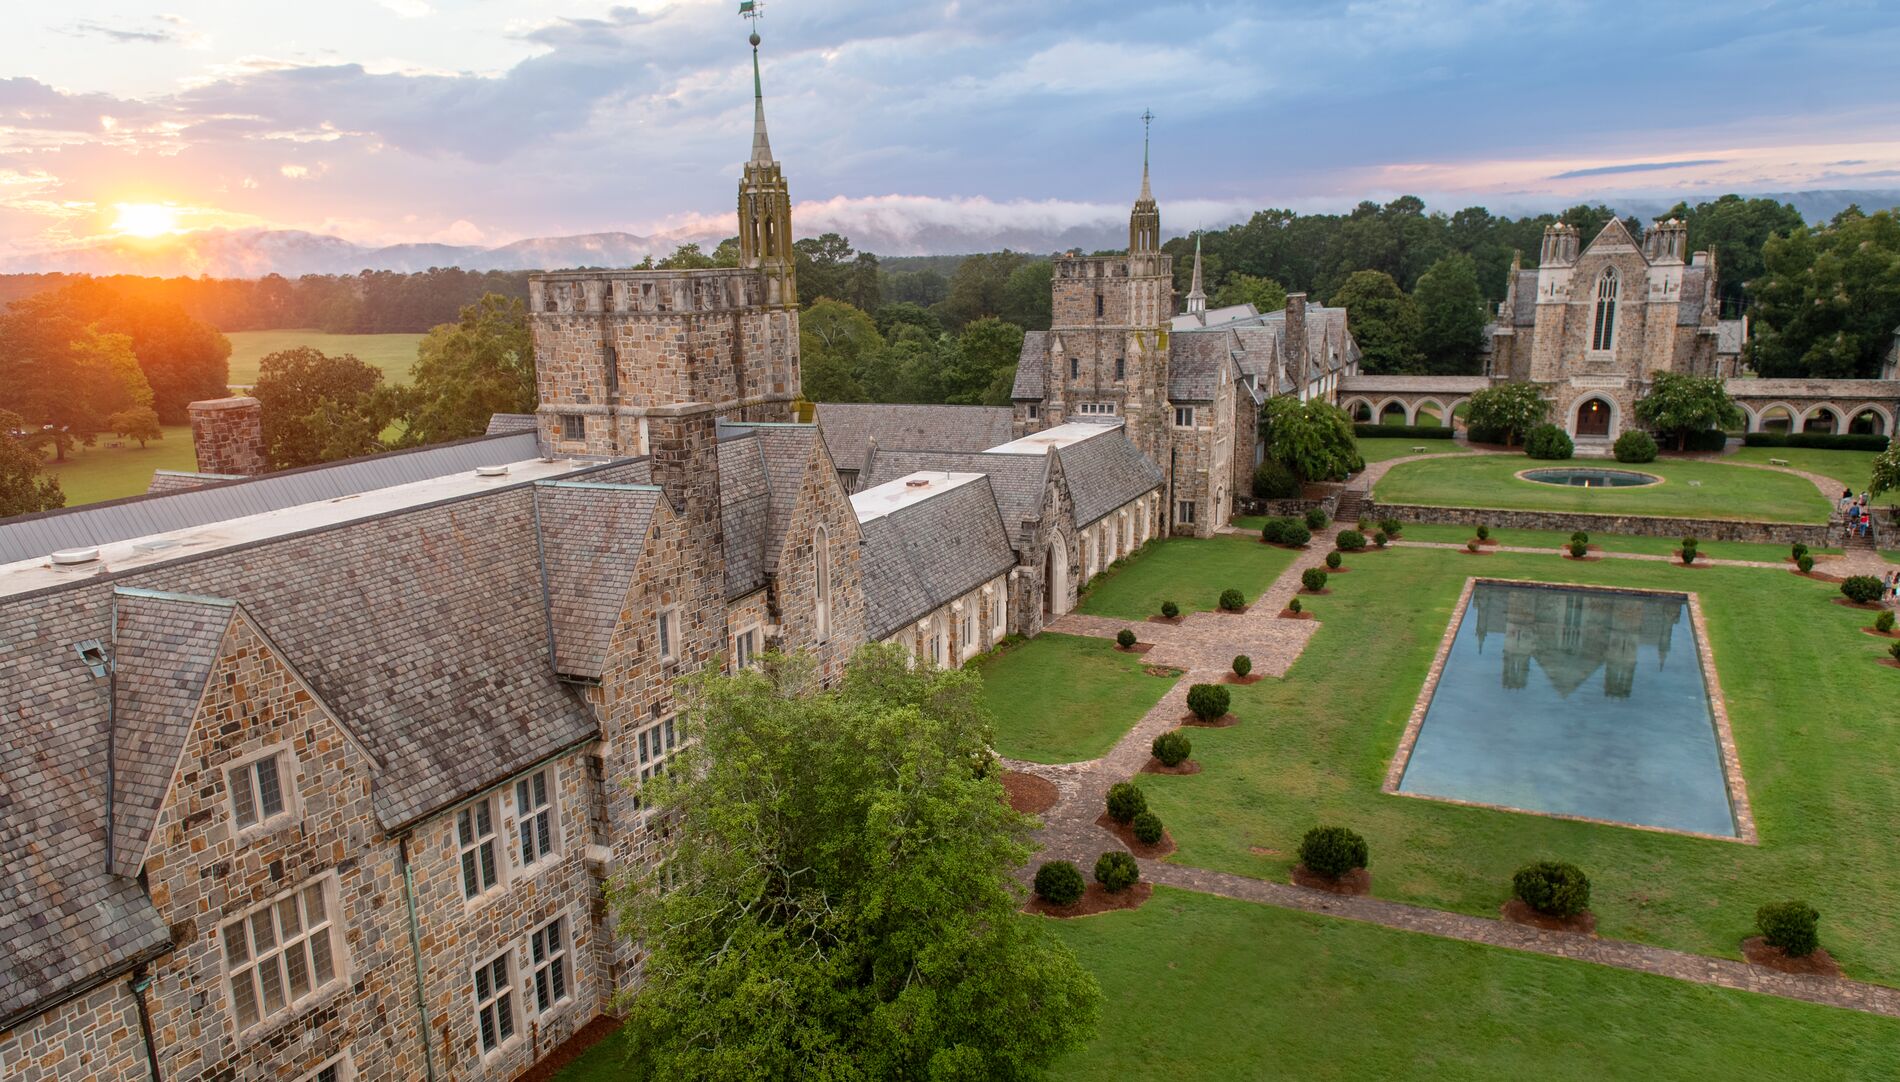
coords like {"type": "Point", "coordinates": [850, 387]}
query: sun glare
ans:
{"type": "Point", "coordinates": [145, 220]}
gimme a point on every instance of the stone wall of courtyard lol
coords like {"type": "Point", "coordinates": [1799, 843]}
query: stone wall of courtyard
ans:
{"type": "Point", "coordinates": [1706, 529]}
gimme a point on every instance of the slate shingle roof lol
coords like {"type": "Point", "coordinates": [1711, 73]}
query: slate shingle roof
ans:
{"type": "Point", "coordinates": [163, 651]}
{"type": "Point", "coordinates": [787, 450]}
{"type": "Point", "coordinates": [1104, 472]}
{"type": "Point", "coordinates": [745, 509]}
{"type": "Point", "coordinates": [924, 556]}
{"type": "Point", "coordinates": [592, 536]}
{"type": "Point", "coordinates": [504, 423]}
{"type": "Point", "coordinates": [1032, 366]}
{"type": "Point", "coordinates": [169, 481]}
{"type": "Point", "coordinates": [1195, 359]}
{"type": "Point", "coordinates": [850, 426]}
{"type": "Point", "coordinates": [1018, 482]}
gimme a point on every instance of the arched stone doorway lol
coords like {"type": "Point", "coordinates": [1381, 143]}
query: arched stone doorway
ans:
{"type": "Point", "coordinates": [1593, 417]}
{"type": "Point", "coordinates": [1868, 422]}
{"type": "Point", "coordinates": [1821, 420]}
{"type": "Point", "coordinates": [1055, 576]}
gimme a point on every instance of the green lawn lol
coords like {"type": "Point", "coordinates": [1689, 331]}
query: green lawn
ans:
{"type": "Point", "coordinates": [1191, 573]}
{"type": "Point", "coordinates": [1066, 698]}
{"type": "Point", "coordinates": [395, 354]}
{"type": "Point", "coordinates": [1611, 542]}
{"type": "Point", "coordinates": [1809, 705]}
{"type": "Point", "coordinates": [1853, 469]}
{"type": "Point", "coordinates": [102, 472]}
{"type": "Point", "coordinates": [1381, 448]}
{"type": "Point", "coordinates": [1732, 492]}
{"type": "Point", "coordinates": [1209, 988]}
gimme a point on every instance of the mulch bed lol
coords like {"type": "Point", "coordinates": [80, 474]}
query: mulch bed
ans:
{"type": "Point", "coordinates": [1126, 834]}
{"type": "Point", "coordinates": [1234, 612]}
{"type": "Point", "coordinates": [1700, 561]}
{"type": "Point", "coordinates": [1878, 634]}
{"type": "Point", "coordinates": [1161, 670]}
{"type": "Point", "coordinates": [1867, 605]}
{"type": "Point", "coordinates": [1138, 648]}
{"type": "Point", "coordinates": [1094, 900]}
{"type": "Point", "coordinates": [1156, 766]}
{"type": "Point", "coordinates": [1515, 911]}
{"type": "Point", "coordinates": [1890, 663]}
{"type": "Point", "coordinates": [1028, 793]}
{"type": "Point", "coordinates": [1356, 882]}
{"type": "Point", "coordinates": [1582, 559]}
{"type": "Point", "coordinates": [1340, 570]}
{"type": "Point", "coordinates": [1250, 678]}
{"type": "Point", "coordinates": [1818, 964]}
{"type": "Point", "coordinates": [1289, 614]}
{"type": "Point", "coordinates": [571, 1049]}
{"type": "Point", "coordinates": [1166, 619]}
{"type": "Point", "coordinates": [1225, 721]}
{"type": "Point", "coordinates": [1819, 577]}
{"type": "Point", "coordinates": [1487, 541]}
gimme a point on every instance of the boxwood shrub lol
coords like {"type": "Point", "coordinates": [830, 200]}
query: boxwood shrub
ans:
{"type": "Point", "coordinates": [1244, 664]}
{"type": "Point", "coordinates": [1296, 535]}
{"type": "Point", "coordinates": [1332, 851]}
{"type": "Point", "coordinates": [1554, 887]}
{"type": "Point", "coordinates": [1333, 560]}
{"type": "Point", "coordinates": [1172, 747]}
{"type": "Point", "coordinates": [1392, 527]}
{"type": "Point", "coordinates": [1232, 600]}
{"type": "Point", "coordinates": [1147, 828]}
{"type": "Point", "coordinates": [1059, 882]}
{"type": "Point", "coordinates": [1116, 871]}
{"type": "Point", "coordinates": [1315, 518]}
{"type": "Point", "coordinates": [1170, 610]}
{"type": "Point", "coordinates": [1125, 638]}
{"type": "Point", "coordinates": [1579, 549]}
{"type": "Point", "coordinates": [1547, 441]}
{"type": "Point", "coordinates": [1293, 606]}
{"type": "Point", "coordinates": [1351, 540]}
{"type": "Point", "coordinates": [1861, 588]}
{"type": "Point", "coordinates": [1125, 801]}
{"type": "Point", "coordinates": [1884, 622]}
{"type": "Point", "coordinates": [1380, 539]}
{"type": "Point", "coordinates": [1826, 441]}
{"type": "Point", "coordinates": [1635, 445]}
{"type": "Point", "coordinates": [1208, 702]}
{"type": "Point", "coordinates": [1709, 439]}
{"type": "Point", "coordinates": [1313, 578]}
{"type": "Point", "coordinates": [1805, 563]}
{"type": "Point", "coordinates": [1797, 550]}
{"type": "Point", "coordinates": [1790, 926]}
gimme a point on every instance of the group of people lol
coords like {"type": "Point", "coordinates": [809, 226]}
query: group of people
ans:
{"type": "Point", "coordinates": [1860, 517]}
{"type": "Point", "coordinates": [1890, 586]}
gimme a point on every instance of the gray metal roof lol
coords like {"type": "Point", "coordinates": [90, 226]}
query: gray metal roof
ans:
{"type": "Point", "coordinates": [29, 536]}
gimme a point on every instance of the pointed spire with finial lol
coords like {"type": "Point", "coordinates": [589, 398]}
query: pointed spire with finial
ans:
{"type": "Point", "coordinates": [1197, 297]}
{"type": "Point", "coordinates": [1147, 120]}
{"type": "Point", "coordinates": [761, 146]}
{"type": "Point", "coordinates": [765, 203]}
{"type": "Point", "coordinates": [1144, 225]}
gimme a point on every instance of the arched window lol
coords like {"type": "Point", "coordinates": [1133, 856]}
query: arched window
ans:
{"type": "Point", "coordinates": [821, 557]}
{"type": "Point", "coordinates": [1603, 335]}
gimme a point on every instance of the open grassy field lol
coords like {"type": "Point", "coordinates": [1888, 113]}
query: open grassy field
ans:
{"type": "Point", "coordinates": [1853, 469]}
{"type": "Point", "coordinates": [1381, 448]}
{"type": "Point", "coordinates": [395, 354]}
{"type": "Point", "coordinates": [1808, 703]}
{"type": "Point", "coordinates": [92, 474]}
{"type": "Point", "coordinates": [1610, 542]}
{"type": "Point", "coordinates": [1724, 492]}
{"type": "Point", "coordinates": [1065, 698]}
{"type": "Point", "coordinates": [1188, 572]}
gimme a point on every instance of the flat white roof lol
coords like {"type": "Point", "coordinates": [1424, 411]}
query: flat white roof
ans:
{"type": "Point", "coordinates": [1062, 435]}
{"type": "Point", "coordinates": [910, 489]}
{"type": "Point", "coordinates": [39, 572]}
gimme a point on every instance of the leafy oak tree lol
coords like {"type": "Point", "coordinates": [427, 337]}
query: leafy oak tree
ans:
{"type": "Point", "coordinates": [138, 423]}
{"type": "Point", "coordinates": [1383, 319]}
{"type": "Point", "coordinates": [22, 488]}
{"type": "Point", "coordinates": [1506, 411]}
{"type": "Point", "coordinates": [834, 339]}
{"type": "Point", "coordinates": [1828, 301]}
{"type": "Point", "coordinates": [835, 899]}
{"type": "Point", "coordinates": [1451, 316]}
{"type": "Point", "coordinates": [985, 365]}
{"type": "Point", "coordinates": [319, 408]}
{"type": "Point", "coordinates": [1265, 294]}
{"type": "Point", "coordinates": [1313, 439]}
{"type": "Point", "coordinates": [468, 371]}
{"type": "Point", "coordinates": [1682, 404]}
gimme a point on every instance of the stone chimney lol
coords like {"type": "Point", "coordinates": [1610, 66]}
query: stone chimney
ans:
{"type": "Point", "coordinates": [1296, 360]}
{"type": "Point", "coordinates": [228, 435]}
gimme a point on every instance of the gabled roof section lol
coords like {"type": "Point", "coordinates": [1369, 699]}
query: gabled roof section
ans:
{"type": "Point", "coordinates": [1105, 472]}
{"type": "Point", "coordinates": [591, 538]}
{"type": "Point", "coordinates": [1614, 234]}
{"type": "Point", "coordinates": [1032, 366]}
{"type": "Point", "coordinates": [745, 509]}
{"type": "Point", "coordinates": [927, 554]}
{"type": "Point", "coordinates": [1195, 360]}
{"type": "Point", "coordinates": [1018, 482]}
{"type": "Point", "coordinates": [164, 648]}
{"type": "Point", "coordinates": [849, 427]}
{"type": "Point", "coordinates": [787, 450]}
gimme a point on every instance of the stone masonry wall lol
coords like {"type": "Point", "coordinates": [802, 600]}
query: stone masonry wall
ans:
{"type": "Point", "coordinates": [203, 873]}
{"type": "Point", "coordinates": [228, 436]}
{"type": "Point", "coordinates": [1779, 533]}
{"type": "Point", "coordinates": [821, 503]}
{"type": "Point", "coordinates": [94, 1037]}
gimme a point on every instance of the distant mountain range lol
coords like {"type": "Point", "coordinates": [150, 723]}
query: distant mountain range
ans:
{"type": "Point", "coordinates": [253, 253]}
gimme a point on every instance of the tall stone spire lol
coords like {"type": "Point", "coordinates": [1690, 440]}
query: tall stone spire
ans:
{"type": "Point", "coordinates": [765, 202]}
{"type": "Point", "coordinates": [1197, 297]}
{"type": "Point", "coordinates": [1144, 224]}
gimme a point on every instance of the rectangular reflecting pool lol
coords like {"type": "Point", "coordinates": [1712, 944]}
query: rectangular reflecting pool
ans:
{"type": "Point", "coordinates": [1575, 702]}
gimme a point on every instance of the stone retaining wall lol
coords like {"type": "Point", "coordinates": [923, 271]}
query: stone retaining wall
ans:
{"type": "Point", "coordinates": [1813, 535]}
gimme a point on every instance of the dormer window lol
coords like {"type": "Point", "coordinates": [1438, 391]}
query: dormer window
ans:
{"type": "Point", "coordinates": [93, 653]}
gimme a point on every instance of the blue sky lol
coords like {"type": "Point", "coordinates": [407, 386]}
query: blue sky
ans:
{"type": "Point", "coordinates": [482, 121]}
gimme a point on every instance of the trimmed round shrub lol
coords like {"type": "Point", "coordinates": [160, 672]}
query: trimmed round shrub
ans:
{"type": "Point", "coordinates": [1484, 532]}
{"type": "Point", "coordinates": [1147, 828]}
{"type": "Point", "coordinates": [1172, 747]}
{"type": "Point", "coordinates": [1805, 563]}
{"type": "Point", "coordinates": [1244, 664]}
{"type": "Point", "coordinates": [1293, 606]}
{"type": "Point", "coordinates": [1893, 651]}
{"type": "Point", "coordinates": [1554, 887]}
{"type": "Point", "coordinates": [1861, 588]}
{"type": "Point", "coordinates": [1580, 537]}
{"type": "Point", "coordinates": [1635, 445]}
{"type": "Point", "coordinates": [1689, 555]}
{"type": "Point", "coordinates": [1797, 550]}
{"type": "Point", "coordinates": [1351, 540]}
{"type": "Point", "coordinates": [1884, 622]}
{"type": "Point", "coordinates": [1296, 535]}
{"type": "Point", "coordinates": [1273, 531]}
{"type": "Point", "coordinates": [1333, 560]}
{"type": "Point", "coordinates": [1690, 542]}
{"type": "Point", "coordinates": [1380, 539]}
{"type": "Point", "coordinates": [1332, 851]}
{"type": "Point", "coordinates": [1125, 801]}
{"type": "Point", "coordinates": [1392, 527]}
{"type": "Point", "coordinates": [1116, 871]}
{"type": "Point", "coordinates": [1473, 545]}
{"type": "Point", "coordinates": [1790, 926]}
{"type": "Point", "coordinates": [1273, 480]}
{"type": "Point", "coordinates": [1315, 518]}
{"type": "Point", "coordinates": [1125, 638]}
{"type": "Point", "coordinates": [1578, 549]}
{"type": "Point", "coordinates": [1232, 600]}
{"type": "Point", "coordinates": [1170, 610]}
{"type": "Point", "coordinates": [1548, 441]}
{"type": "Point", "coordinates": [1313, 578]}
{"type": "Point", "coordinates": [1060, 883]}
{"type": "Point", "coordinates": [1208, 702]}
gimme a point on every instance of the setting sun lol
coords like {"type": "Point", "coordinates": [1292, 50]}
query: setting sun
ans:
{"type": "Point", "coordinates": [145, 220]}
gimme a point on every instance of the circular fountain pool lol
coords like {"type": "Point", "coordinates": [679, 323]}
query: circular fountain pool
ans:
{"type": "Point", "coordinates": [1590, 477]}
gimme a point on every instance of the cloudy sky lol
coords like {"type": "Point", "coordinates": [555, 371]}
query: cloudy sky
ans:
{"type": "Point", "coordinates": [484, 121]}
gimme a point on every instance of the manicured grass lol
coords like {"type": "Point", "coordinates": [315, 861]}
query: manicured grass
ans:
{"type": "Point", "coordinates": [1188, 572]}
{"type": "Point", "coordinates": [1732, 492]}
{"type": "Point", "coordinates": [1807, 699]}
{"type": "Point", "coordinates": [1381, 448]}
{"type": "Point", "coordinates": [395, 354]}
{"type": "Point", "coordinates": [1611, 542]}
{"type": "Point", "coordinates": [1066, 698]}
{"type": "Point", "coordinates": [1853, 469]}
{"type": "Point", "coordinates": [92, 474]}
{"type": "Point", "coordinates": [605, 1062]}
{"type": "Point", "coordinates": [1210, 988]}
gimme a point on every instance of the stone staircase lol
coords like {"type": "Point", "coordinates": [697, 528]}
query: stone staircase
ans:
{"type": "Point", "coordinates": [1352, 504]}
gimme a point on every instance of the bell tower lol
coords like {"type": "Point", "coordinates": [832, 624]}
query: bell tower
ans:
{"type": "Point", "coordinates": [765, 203]}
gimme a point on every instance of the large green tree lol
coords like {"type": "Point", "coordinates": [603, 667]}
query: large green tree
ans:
{"type": "Point", "coordinates": [66, 380]}
{"type": "Point", "coordinates": [979, 287]}
{"type": "Point", "coordinates": [319, 408]}
{"type": "Point", "coordinates": [1313, 438]}
{"type": "Point", "coordinates": [1506, 412]}
{"type": "Point", "coordinates": [985, 365]}
{"type": "Point", "coordinates": [835, 899]}
{"type": "Point", "coordinates": [1829, 299]}
{"type": "Point", "coordinates": [1451, 314]}
{"type": "Point", "coordinates": [183, 359]}
{"type": "Point", "coordinates": [470, 370]}
{"type": "Point", "coordinates": [1265, 294]}
{"type": "Point", "coordinates": [1384, 321]}
{"type": "Point", "coordinates": [834, 339]}
{"type": "Point", "coordinates": [1737, 231]}
{"type": "Point", "coordinates": [23, 489]}
{"type": "Point", "coordinates": [1681, 404]}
